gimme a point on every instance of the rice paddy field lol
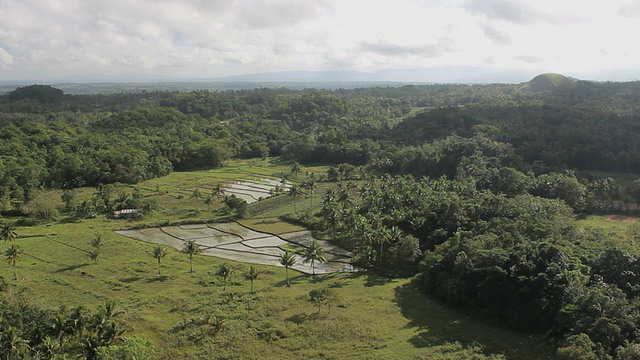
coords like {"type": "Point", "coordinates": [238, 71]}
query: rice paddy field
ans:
{"type": "Point", "coordinates": [368, 317]}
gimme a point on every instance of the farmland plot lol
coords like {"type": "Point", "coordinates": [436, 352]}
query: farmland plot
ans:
{"type": "Point", "coordinates": [255, 187]}
{"type": "Point", "coordinates": [234, 241]}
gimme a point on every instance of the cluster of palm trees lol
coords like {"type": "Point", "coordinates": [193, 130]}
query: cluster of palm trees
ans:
{"type": "Point", "coordinates": [368, 215]}
{"type": "Point", "coordinates": [90, 330]}
{"type": "Point", "coordinates": [50, 334]}
{"type": "Point", "coordinates": [216, 190]}
{"type": "Point", "coordinates": [312, 254]}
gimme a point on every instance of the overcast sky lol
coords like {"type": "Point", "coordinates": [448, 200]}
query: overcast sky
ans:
{"type": "Point", "coordinates": [80, 40]}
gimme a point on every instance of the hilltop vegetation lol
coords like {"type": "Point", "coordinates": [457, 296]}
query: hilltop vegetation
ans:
{"type": "Point", "coordinates": [544, 82]}
{"type": "Point", "coordinates": [472, 191]}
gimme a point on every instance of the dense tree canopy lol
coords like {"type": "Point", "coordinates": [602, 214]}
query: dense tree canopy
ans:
{"type": "Point", "coordinates": [474, 189]}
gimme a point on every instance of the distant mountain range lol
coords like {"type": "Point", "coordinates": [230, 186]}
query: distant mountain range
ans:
{"type": "Point", "coordinates": [328, 79]}
{"type": "Point", "coordinates": [459, 75]}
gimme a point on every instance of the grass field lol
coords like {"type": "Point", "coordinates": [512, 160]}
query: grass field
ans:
{"type": "Point", "coordinates": [371, 317]}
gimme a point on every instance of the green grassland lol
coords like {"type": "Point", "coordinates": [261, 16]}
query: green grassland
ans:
{"type": "Point", "coordinates": [371, 317]}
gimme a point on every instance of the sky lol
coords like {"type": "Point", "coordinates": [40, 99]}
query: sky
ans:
{"type": "Point", "coordinates": [120, 40]}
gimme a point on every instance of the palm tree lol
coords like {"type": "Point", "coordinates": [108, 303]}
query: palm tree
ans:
{"type": "Point", "coordinates": [208, 200]}
{"type": "Point", "coordinates": [287, 259]}
{"type": "Point", "coordinates": [61, 328]}
{"type": "Point", "coordinates": [13, 255]}
{"type": "Point", "coordinates": [78, 320]}
{"type": "Point", "coordinates": [97, 242]}
{"type": "Point", "coordinates": [14, 343]}
{"type": "Point", "coordinates": [8, 232]}
{"type": "Point", "coordinates": [48, 347]}
{"type": "Point", "coordinates": [310, 185]}
{"type": "Point", "coordinates": [217, 190]}
{"type": "Point", "coordinates": [94, 255]}
{"type": "Point", "coordinates": [224, 271]}
{"type": "Point", "coordinates": [196, 194]}
{"type": "Point", "coordinates": [85, 209]}
{"type": "Point", "coordinates": [191, 248]}
{"type": "Point", "coordinates": [158, 253]}
{"type": "Point", "coordinates": [252, 275]}
{"type": "Point", "coordinates": [294, 191]}
{"type": "Point", "coordinates": [295, 168]}
{"type": "Point", "coordinates": [315, 252]}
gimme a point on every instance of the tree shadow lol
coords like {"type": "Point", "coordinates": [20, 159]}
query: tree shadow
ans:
{"type": "Point", "coordinates": [292, 280]}
{"type": "Point", "coordinates": [371, 279]}
{"type": "Point", "coordinates": [376, 280]}
{"type": "Point", "coordinates": [157, 279]}
{"type": "Point", "coordinates": [131, 279]}
{"type": "Point", "coordinates": [71, 268]}
{"type": "Point", "coordinates": [437, 324]}
{"type": "Point", "coordinates": [71, 220]}
{"type": "Point", "coordinates": [299, 319]}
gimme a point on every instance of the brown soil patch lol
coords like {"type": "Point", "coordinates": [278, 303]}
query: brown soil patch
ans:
{"type": "Point", "coordinates": [621, 218]}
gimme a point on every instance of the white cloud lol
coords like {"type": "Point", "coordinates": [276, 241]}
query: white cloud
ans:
{"type": "Point", "coordinates": [6, 60]}
{"type": "Point", "coordinates": [207, 38]}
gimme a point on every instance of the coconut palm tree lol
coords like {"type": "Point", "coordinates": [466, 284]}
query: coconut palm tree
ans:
{"type": "Point", "coordinates": [252, 275]}
{"type": "Point", "coordinates": [97, 242]}
{"type": "Point", "coordinates": [191, 248]}
{"type": "Point", "coordinates": [310, 186]}
{"type": "Point", "coordinates": [196, 194]}
{"type": "Point", "coordinates": [13, 255]}
{"type": "Point", "coordinates": [217, 190]}
{"type": "Point", "coordinates": [315, 252]}
{"type": "Point", "coordinates": [61, 328]}
{"type": "Point", "coordinates": [13, 343]}
{"type": "Point", "coordinates": [224, 271]}
{"type": "Point", "coordinates": [287, 259]}
{"type": "Point", "coordinates": [208, 200]}
{"type": "Point", "coordinates": [294, 191]}
{"type": "Point", "coordinates": [94, 255]}
{"type": "Point", "coordinates": [295, 168]}
{"type": "Point", "coordinates": [8, 232]}
{"type": "Point", "coordinates": [158, 253]}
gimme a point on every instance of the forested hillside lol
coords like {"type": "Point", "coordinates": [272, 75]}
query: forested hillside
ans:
{"type": "Point", "coordinates": [472, 189]}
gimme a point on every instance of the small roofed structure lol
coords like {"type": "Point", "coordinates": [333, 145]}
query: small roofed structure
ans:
{"type": "Point", "coordinates": [126, 213]}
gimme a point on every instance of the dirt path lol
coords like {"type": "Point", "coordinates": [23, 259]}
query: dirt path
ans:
{"type": "Point", "coordinates": [621, 218]}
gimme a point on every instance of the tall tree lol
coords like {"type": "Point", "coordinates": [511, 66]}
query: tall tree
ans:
{"type": "Point", "coordinates": [158, 253]}
{"type": "Point", "coordinates": [224, 271]}
{"type": "Point", "coordinates": [251, 275]}
{"type": "Point", "coordinates": [295, 168]}
{"type": "Point", "coordinates": [208, 200]}
{"type": "Point", "coordinates": [287, 259]}
{"type": "Point", "coordinates": [191, 248]}
{"type": "Point", "coordinates": [217, 190]}
{"type": "Point", "coordinates": [294, 191]}
{"type": "Point", "coordinates": [13, 254]}
{"type": "Point", "coordinates": [315, 252]}
{"type": "Point", "coordinates": [97, 242]}
{"type": "Point", "coordinates": [8, 232]}
{"type": "Point", "coordinates": [310, 186]}
{"type": "Point", "coordinates": [61, 328]}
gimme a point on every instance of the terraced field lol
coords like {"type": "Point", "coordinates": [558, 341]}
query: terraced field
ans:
{"type": "Point", "coordinates": [238, 242]}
